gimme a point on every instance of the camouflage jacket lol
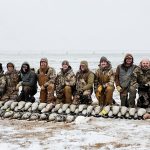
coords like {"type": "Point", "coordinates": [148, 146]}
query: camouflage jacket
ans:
{"type": "Point", "coordinates": [140, 77]}
{"type": "Point", "coordinates": [84, 81]}
{"type": "Point", "coordinates": [103, 77]}
{"type": "Point", "coordinates": [67, 78]}
{"type": "Point", "coordinates": [2, 82]}
{"type": "Point", "coordinates": [47, 77]}
{"type": "Point", "coordinates": [12, 79]}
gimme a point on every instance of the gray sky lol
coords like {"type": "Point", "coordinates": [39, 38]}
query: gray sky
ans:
{"type": "Point", "coordinates": [75, 25]}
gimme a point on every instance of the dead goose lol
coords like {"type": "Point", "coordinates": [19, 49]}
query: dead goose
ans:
{"type": "Point", "coordinates": [53, 110]}
{"type": "Point", "coordinates": [60, 111]}
{"type": "Point", "coordinates": [148, 110]}
{"type": "Point", "coordinates": [115, 110]}
{"type": "Point", "coordinates": [41, 106]}
{"type": "Point", "coordinates": [13, 105]}
{"type": "Point", "coordinates": [43, 116]}
{"type": "Point", "coordinates": [81, 107]}
{"type": "Point", "coordinates": [141, 112]}
{"type": "Point", "coordinates": [57, 106]}
{"type": "Point", "coordinates": [119, 115]}
{"type": "Point", "coordinates": [136, 116]}
{"type": "Point", "coordinates": [127, 115]}
{"type": "Point", "coordinates": [26, 115]}
{"type": "Point", "coordinates": [47, 108]}
{"type": "Point", "coordinates": [90, 109]}
{"type": "Point", "coordinates": [70, 118]}
{"type": "Point", "coordinates": [67, 111]}
{"type": "Point", "coordinates": [2, 112]}
{"type": "Point", "coordinates": [110, 114]}
{"type": "Point", "coordinates": [104, 112]}
{"type": "Point", "coordinates": [8, 114]}
{"type": "Point", "coordinates": [73, 108]}
{"type": "Point", "coordinates": [52, 116]}
{"type": "Point", "coordinates": [97, 110]}
{"type": "Point", "coordinates": [7, 105]}
{"type": "Point", "coordinates": [34, 106]}
{"type": "Point", "coordinates": [27, 106]}
{"type": "Point", "coordinates": [76, 111]}
{"type": "Point", "coordinates": [23, 109]}
{"type": "Point", "coordinates": [84, 112]}
{"type": "Point", "coordinates": [29, 109]}
{"type": "Point", "coordinates": [132, 112]}
{"type": "Point", "coordinates": [123, 110]}
{"type": "Point", "coordinates": [16, 109]}
{"type": "Point", "coordinates": [1, 103]}
{"type": "Point", "coordinates": [34, 116]}
{"type": "Point", "coordinates": [93, 113]}
{"type": "Point", "coordinates": [17, 115]}
{"type": "Point", "coordinates": [60, 118]}
{"type": "Point", "coordinates": [21, 104]}
{"type": "Point", "coordinates": [64, 107]}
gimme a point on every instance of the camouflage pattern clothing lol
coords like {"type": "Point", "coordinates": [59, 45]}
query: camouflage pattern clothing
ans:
{"type": "Point", "coordinates": [104, 83]}
{"type": "Point", "coordinates": [12, 79]}
{"type": "Point", "coordinates": [65, 82]}
{"type": "Point", "coordinates": [123, 79]}
{"type": "Point", "coordinates": [84, 85]}
{"type": "Point", "coordinates": [141, 81]}
{"type": "Point", "coordinates": [2, 82]}
{"type": "Point", "coordinates": [46, 79]}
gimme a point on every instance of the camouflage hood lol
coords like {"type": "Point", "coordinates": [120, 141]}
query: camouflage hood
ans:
{"type": "Point", "coordinates": [10, 64]}
{"type": "Point", "coordinates": [84, 62]}
{"type": "Point", "coordinates": [109, 66]}
{"type": "Point", "coordinates": [67, 70]}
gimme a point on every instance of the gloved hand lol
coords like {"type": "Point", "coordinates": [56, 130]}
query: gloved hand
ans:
{"type": "Point", "coordinates": [105, 85]}
{"type": "Point", "coordinates": [81, 91]}
{"type": "Point", "coordinates": [18, 85]}
{"type": "Point", "coordinates": [147, 84]}
{"type": "Point", "coordinates": [67, 83]}
{"type": "Point", "coordinates": [99, 89]}
{"type": "Point", "coordinates": [119, 89]}
{"type": "Point", "coordinates": [42, 87]}
{"type": "Point", "coordinates": [46, 84]}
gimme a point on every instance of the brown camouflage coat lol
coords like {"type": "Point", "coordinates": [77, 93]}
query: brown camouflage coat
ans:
{"type": "Point", "coordinates": [84, 80]}
{"type": "Point", "coordinates": [65, 79]}
{"type": "Point", "coordinates": [140, 77]}
{"type": "Point", "coordinates": [104, 76]}
{"type": "Point", "coordinates": [46, 77]}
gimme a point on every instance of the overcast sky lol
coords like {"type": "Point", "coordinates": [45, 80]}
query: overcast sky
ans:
{"type": "Point", "coordinates": [75, 25]}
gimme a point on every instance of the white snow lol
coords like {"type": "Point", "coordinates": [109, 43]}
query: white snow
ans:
{"type": "Point", "coordinates": [84, 133]}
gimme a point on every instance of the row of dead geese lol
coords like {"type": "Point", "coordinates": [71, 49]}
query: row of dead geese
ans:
{"type": "Point", "coordinates": [65, 112]}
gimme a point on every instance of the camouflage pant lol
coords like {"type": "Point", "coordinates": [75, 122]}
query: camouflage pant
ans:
{"type": "Point", "coordinates": [64, 95]}
{"type": "Point", "coordinates": [128, 96]}
{"type": "Point", "coordinates": [83, 97]}
{"type": "Point", "coordinates": [11, 93]}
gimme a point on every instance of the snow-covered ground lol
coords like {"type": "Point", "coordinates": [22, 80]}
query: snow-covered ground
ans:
{"type": "Point", "coordinates": [84, 133]}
